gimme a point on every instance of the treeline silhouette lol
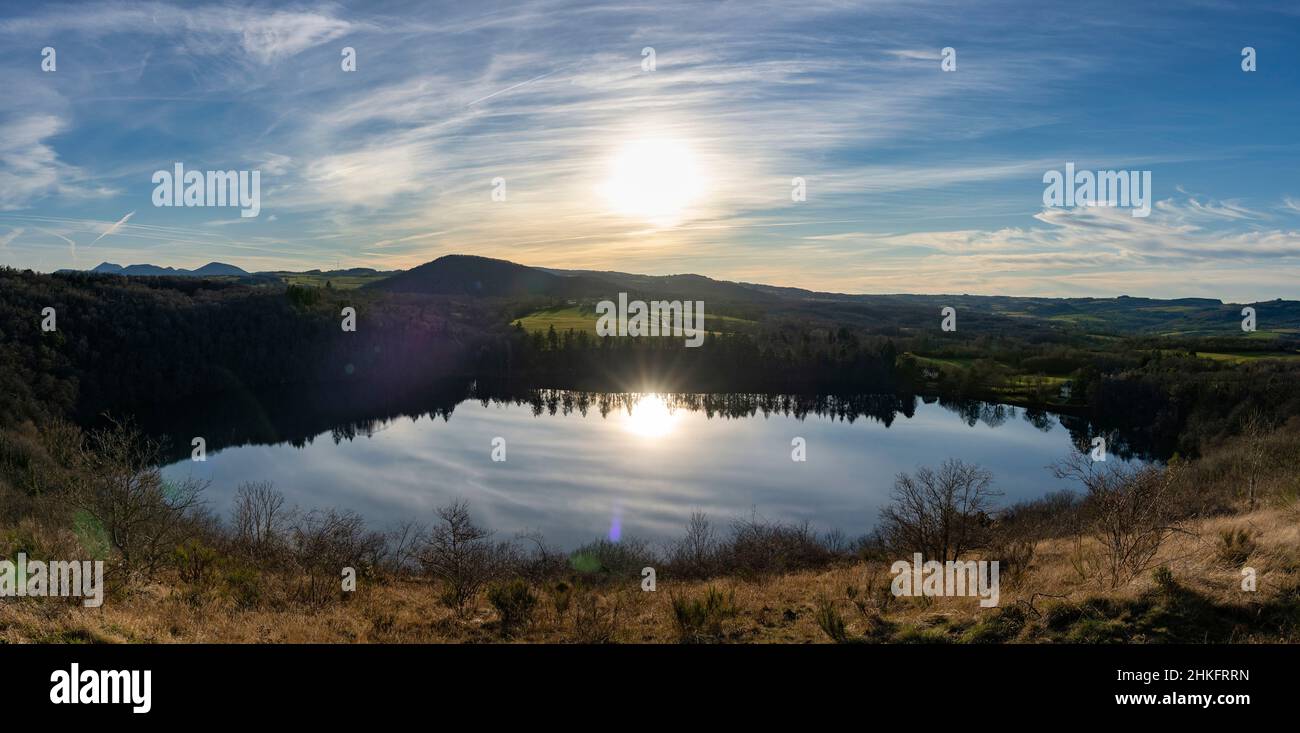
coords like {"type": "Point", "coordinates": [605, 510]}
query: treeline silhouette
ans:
{"type": "Point", "coordinates": [136, 346]}
{"type": "Point", "coordinates": [810, 361]}
{"type": "Point", "coordinates": [300, 415]}
{"type": "Point", "coordinates": [128, 342]}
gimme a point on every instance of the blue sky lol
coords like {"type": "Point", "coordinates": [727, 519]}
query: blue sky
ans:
{"type": "Point", "coordinates": [918, 180]}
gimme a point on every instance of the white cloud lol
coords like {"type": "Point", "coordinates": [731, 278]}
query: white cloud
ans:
{"type": "Point", "coordinates": [264, 36]}
{"type": "Point", "coordinates": [29, 166]}
{"type": "Point", "coordinates": [275, 164]}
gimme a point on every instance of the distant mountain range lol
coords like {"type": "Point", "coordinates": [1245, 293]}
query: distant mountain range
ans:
{"type": "Point", "coordinates": [212, 269]}
{"type": "Point", "coordinates": [219, 269]}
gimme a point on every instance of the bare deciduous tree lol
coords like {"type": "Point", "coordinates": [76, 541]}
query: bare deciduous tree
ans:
{"type": "Point", "coordinates": [259, 517]}
{"type": "Point", "coordinates": [462, 555]}
{"type": "Point", "coordinates": [942, 514]}
{"type": "Point", "coordinates": [695, 555]}
{"type": "Point", "coordinates": [1255, 451]}
{"type": "Point", "coordinates": [116, 481]}
{"type": "Point", "coordinates": [325, 542]}
{"type": "Point", "coordinates": [404, 541]}
{"type": "Point", "coordinates": [1128, 509]}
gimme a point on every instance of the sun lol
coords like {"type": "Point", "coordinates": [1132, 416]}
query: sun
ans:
{"type": "Point", "coordinates": [651, 417]}
{"type": "Point", "coordinates": [654, 179]}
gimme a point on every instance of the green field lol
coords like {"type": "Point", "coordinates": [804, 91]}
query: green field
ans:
{"type": "Point", "coordinates": [571, 317]}
{"type": "Point", "coordinates": [580, 318]}
{"type": "Point", "coordinates": [1079, 319]}
{"type": "Point", "coordinates": [1245, 356]}
{"type": "Point", "coordinates": [1010, 386]}
{"type": "Point", "coordinates": [953, 362]}
{"type": "Point", "coordinates": [338, 282]}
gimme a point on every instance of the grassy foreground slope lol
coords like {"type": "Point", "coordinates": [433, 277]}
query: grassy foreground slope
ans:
{"type": "Point", "coordinates": [1200, 600]}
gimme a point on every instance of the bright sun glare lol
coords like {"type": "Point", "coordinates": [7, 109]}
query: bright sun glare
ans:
{"type": "Point", "coordinates": [655, 180]}
{"type": "Point", "coordinates": [651, 417]}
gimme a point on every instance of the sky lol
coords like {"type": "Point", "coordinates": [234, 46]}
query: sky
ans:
{"type": "Point", "coordinates": [539, 132]}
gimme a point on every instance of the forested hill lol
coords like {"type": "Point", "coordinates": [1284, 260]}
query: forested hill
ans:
{"type": "Point", "coordinates": [121, 343]}
{"type": "Point", "coordinates": [148, 340]}
{"type": "Point", "coordinates": [1122, 315]}
{"type": "Point", "coordinates": [482, 277]}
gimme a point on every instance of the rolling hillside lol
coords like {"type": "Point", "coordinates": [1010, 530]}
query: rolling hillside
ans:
{"type": "Point", "coordinates": [482, 277]}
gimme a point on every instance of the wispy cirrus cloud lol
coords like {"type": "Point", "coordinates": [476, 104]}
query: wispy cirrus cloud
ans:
{"type": "Point", "coordinates": [910, 171]}
{"type": "Point", "coordinates": [30, 168]}
{"type": "Point", "coordinates": [265, 36]}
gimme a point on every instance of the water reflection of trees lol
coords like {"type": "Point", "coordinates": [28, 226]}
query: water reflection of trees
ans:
{"type": "Point", "coordinates": [882, 408]}
{"type": "Point", "coordinates": [299, 417]}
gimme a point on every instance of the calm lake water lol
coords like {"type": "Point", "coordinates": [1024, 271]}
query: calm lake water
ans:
{"type": "Point", "coordinates": [639, 470]}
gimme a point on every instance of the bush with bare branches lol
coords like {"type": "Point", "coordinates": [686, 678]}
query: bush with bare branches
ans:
{"type": "Point", "coordinates": [462, 556]}
{"type": "Point", "coordinates": [115, 481]}
{"type": "Point", "coordinates": [259, 519]}
{"type": "Point", "coordinates": [1128, 509]}
{"type": "Point", "coordinates": [941, 514]}
{"type": "Point", "coordinates": [323, 543]}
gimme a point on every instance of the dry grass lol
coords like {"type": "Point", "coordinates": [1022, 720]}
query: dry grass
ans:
{"type": "Point", "coordinates": [780, 609]}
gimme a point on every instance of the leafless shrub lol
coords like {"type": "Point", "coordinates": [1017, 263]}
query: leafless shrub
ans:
{"type": "Point", "coordinates": [1257, 457]}
{"type": "Point", "coordinates": [697, 554]}
{"type": "Point", "coordinates": [1053, 515]}
{"type": "Point", "coordinates": [462, 556]}
{"type": "Point", "coordinates": [405, 541]}
{"type": "Point", "coordinates": [836, 542]}
{"type": "Point", "coordinates": [941, 514]}
{"type": "Point", "coordinates": [1128, 511]}
{"type": "Point", "coordinates": [1082, 558]}
{"type": "Point", "coordinates": [758, 547]}
{"type": "Point", "coordinates": [117, 484]}
{"type": "Point", "coordinates": [323, 543]}
{"type": "Point", "coordinates": [259, 519]}
{"type": "Point", "coordinates": [543, 563]}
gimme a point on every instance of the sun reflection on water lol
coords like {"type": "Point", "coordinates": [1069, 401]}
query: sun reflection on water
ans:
{"type": "Point", "coordinates": [650, 417]}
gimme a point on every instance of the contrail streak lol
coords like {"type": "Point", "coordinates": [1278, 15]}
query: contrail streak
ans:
{"type": "Point", "coordinates": [114, 227]}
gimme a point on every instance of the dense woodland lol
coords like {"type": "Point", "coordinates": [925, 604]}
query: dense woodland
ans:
{"type": "Point", "coordinates": [142, 347]}
{"type": "Point", "coordinates": [126, 343]}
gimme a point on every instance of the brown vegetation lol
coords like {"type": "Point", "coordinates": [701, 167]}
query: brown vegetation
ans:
{"type": "Point", "coordinates": [1142, 554]}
